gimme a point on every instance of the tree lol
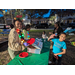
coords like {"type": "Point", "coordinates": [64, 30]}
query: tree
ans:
{"type": "Point", "coordinates": [9, 12]}
{"type": "Point", "coordinates": [34, 13]}
{"type": "Point", "coordinates": [62, 12]}
{"type": "Point", "coordinates": [2, 12]}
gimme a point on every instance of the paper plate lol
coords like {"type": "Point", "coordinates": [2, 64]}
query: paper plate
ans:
{"type": "Point", "coordinates": [23, 54]}
{"type": "Point", "coordinates": [73, 43]}
{"type": "Point", "coordinates": [31, 41]}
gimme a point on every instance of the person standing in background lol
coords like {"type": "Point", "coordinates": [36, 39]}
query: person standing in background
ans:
{"type": "Point", "coordinates": [57, 30]}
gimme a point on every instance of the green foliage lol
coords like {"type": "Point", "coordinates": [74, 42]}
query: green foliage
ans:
{"type": "Point", "coordinates": [52, 18]}
{"type": "Point", "coordinates": [16, 13]}
{"type": "Point", "coordinates": [40, 31]}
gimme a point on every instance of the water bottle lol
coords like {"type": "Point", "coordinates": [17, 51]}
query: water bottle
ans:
{"type": "Point", "coordinates": [56, 34]}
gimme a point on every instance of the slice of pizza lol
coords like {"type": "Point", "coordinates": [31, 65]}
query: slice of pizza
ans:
{"type": "Point", "coordinates": [74, 43]}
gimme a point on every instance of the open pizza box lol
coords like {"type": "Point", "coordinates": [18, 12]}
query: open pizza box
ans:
{"type": "Point", "coordinates": [36, 47]}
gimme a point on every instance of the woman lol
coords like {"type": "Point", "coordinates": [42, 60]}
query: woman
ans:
{"type": "Point", "coordinates": [57, 30]}
{"type": "Point", "coordinates": [14, 42]}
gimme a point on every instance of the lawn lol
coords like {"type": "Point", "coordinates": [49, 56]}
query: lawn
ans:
{"type": "Point", "coordinates": [68, 58]}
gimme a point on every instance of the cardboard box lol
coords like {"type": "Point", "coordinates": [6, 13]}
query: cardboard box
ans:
{"type": "Point", "coordinates": [36, 47]}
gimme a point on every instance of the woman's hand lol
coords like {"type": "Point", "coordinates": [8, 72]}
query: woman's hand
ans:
{"type": "Point", "coordinates": [21, 43]}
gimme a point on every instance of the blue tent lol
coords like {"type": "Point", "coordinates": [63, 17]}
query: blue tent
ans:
{"type": "Point", "coordinates": [69, 31]}
{"type": "Point", "coordinates": [1, 15]}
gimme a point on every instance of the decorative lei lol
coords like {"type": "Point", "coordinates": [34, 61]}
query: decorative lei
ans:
{"type": "Point", "coordinates": [21, 35]}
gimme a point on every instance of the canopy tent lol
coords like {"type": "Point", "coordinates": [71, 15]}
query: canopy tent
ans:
{"type": "Point", "coordinates": [26, 20]}
{"type": "Point", "coordinates": [1, 15]}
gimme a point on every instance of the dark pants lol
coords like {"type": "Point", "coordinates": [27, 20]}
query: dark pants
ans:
{"type": "Point", "coordinates": [55, 61]}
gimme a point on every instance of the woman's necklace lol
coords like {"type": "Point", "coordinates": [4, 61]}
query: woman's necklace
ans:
{"type": "Point", "coordinates": [21, 35]}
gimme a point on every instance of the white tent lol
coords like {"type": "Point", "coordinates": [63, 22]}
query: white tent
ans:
{"type": "Point", "coordinates": [26, 20]}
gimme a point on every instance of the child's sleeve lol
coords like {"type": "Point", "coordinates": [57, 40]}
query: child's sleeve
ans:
{"type": "Point", "coordinates": [64, 46]}
{"type": "Point", "coordinates": [53, 40]}
{"type": "Point", "coordinates": [25, 34]}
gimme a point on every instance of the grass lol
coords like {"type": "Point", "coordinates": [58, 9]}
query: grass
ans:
{"type": "Point", "coordinates": [1, 30]}
{"type": "Point", "coordinates": [40, 31]}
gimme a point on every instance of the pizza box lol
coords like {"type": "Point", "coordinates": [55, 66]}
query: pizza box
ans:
{"type": "Point", "coordinates": [36, 47]}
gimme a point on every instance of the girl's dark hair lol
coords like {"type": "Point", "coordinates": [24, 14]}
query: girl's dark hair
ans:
{"type": "Point", "coordinates": [17, 20]}
{"type": "Point", "coordinates": [12, 26]}
{"type": "Point", "coordinates": [27, 26]}
{"type": "Point", "coordinates": [44, 32]}
{"type": "Point", "coordinates": [57, 23]}
{"type": "Point", "coordinates": [62, 33]}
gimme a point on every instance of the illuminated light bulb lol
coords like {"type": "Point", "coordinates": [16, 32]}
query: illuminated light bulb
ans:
{"type": "Point", "coordinates": [22, 41]}
{"type": "Point", "coordinates": [28, 35]}
{"type": "Point", "coordinates": [28, 38]}
{"type": "Point", "coordinates": [14, 18]}
{"type": "Point", "coordinates": [19, 36]}
{"type": "Point", "coordinates": [22, 34]}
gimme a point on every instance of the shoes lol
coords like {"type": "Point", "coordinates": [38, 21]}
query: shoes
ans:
{"type": "Point", "coordinates": [49, 62]}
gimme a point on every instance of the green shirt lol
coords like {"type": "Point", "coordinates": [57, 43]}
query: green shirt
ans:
{"type": "Point", "coordinates": [25, 33]}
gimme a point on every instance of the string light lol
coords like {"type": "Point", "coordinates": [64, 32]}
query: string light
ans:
{"type": "Point", "coordinates": [21, 35]}
{"type": "Point", "coordinates": [28, 35]}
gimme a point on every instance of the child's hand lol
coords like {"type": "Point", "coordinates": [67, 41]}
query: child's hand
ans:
{"type": "Point", "coordinates": [52, 36]}
{"type": "Point", "coordinates": [50, 32]}
{"type": "Point", "coordinates": [26, 40]}
{"type": "Point", "coordinates": [55, 54]}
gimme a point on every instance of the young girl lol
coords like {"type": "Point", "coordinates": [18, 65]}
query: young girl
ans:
{"type": "Point", "coordinates": [44, 35]}
{"type": "Point", "coordinates": [15, 46]}
{"type": "Point", "coordinates": [59, 48]}
{"type": "Point", "coordinates": [26, 31]}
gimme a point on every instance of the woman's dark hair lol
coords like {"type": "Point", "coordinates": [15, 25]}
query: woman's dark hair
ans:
{"type": "Point", "coordinates": [12, 26]}
{"type": "Point", "coordinates": [44, 32]}
{"type": "Point", "coordinates": [62, 33]}
{"type": "Point", "coordinates": [17, 20]}
{"type": "Point", "coordinates": [27, 26]}
{"type": "Point", "coordinates": [57, 23]}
